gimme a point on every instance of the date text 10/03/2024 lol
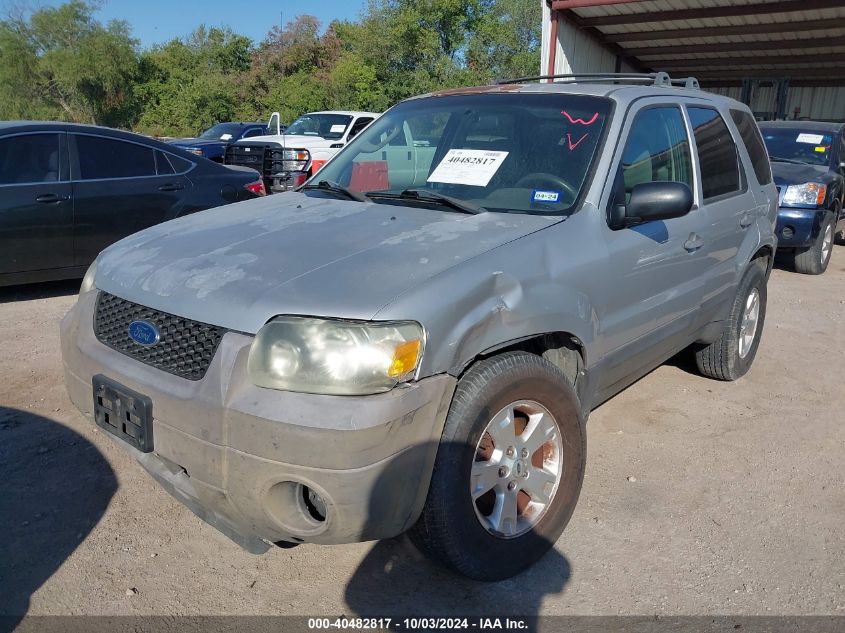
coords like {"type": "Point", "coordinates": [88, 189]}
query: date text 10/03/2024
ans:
{"type": "Point", "coordinates": [419, 623]}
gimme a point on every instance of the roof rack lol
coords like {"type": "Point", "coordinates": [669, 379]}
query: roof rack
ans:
{"type": "Point", "coordinates": [654, 79]}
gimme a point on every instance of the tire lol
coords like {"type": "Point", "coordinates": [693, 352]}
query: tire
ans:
{"type": "Point", "coordinates": [453, 528]}
{"type": "Point", "coordinates": [838, 236]}
{"type": "Point", "coordinates": [814, 259]}
{"type": "Point", "coordinates": [729, 357]}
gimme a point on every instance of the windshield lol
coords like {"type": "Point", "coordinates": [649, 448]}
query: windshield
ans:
{"type": "Point", "coordinates": [522, 153]}
{"type": "Point", "coordinates": [328, 126]}
{"type": "Point", "coordinates": [794, 144]}
{"type": "Point", "coordinates": [221, 132]}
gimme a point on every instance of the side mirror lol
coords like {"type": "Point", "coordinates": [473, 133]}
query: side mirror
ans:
{"type": "Point", "coordinates": [652, 201]}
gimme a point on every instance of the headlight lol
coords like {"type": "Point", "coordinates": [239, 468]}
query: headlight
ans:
{"type": "Point", "coordinates": [293, 159]}
{"type": "Point", "coordinates": [195, 150]}
{"type": "Point", "coordinates": [88, 280]}
{"type": "Point", "coordinates": [335, 357]}
{"type": "Point", "coordinates": [808, 193]}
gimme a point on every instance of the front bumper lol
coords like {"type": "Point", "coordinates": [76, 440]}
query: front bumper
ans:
{"type": "Point", "coordinates": [798, 227]}
{"type": "Point", "coordinates": [237, 454]}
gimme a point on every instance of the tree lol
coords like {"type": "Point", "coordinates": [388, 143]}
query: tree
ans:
{"type": "Point", "coordinates": [63, 62]}
{"type": "Point", "coordinates": [189, 84]}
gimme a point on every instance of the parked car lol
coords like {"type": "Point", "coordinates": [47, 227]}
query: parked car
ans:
{"type": "Point", "coordinates": [808, 165]}
{"type": "Point", "coordinates": [68, 191]}
{"type": "Point", "coordinates": [288, 159]}
{"type": "Point", "coordinates": [212, 143]}
{"type": "Point", "coordinates": [414, 340]}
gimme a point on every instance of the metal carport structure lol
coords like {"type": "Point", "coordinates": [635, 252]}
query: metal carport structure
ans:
{"type": "Point", "coordinates": [784, 58]}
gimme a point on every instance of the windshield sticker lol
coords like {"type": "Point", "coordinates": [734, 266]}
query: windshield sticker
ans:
{"type": "Point", "coordinates": [225, 137]}
{"type": "Point", "coordinates": [468, 167]}
{"type": "Point", "coordinates": [573, 145]}
{"type": "Point", "coordinates": [545, 196]}
{"type": "Point", "coordinates": [821, 149]}
{"type": "Point", "coordinates": [580, 121]}
{"type": "Point", "coordinates": [337, 129]}
{"type": "Point", "coordinates": [812, 139]}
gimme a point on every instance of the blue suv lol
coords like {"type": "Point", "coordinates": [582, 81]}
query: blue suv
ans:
{"type": "Point", "coordinates": [807, 164]}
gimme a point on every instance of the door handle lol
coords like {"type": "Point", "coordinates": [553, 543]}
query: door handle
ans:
{"type": "Point", "coordinates": [171, 187]}
{"type": "Point", "coordinates": [51, 198]}
{"type": "Point", "coordinates": [693, 243]}
{"type": "Point", "coordinates": [746, 220]}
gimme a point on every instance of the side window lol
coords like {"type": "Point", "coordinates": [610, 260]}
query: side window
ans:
{"type": "Point", "coordinates": [163, 166]}
{"type": "Point", "coordinates": [101, 157]}
{"type": "Point", "coordinates": [29, 158]}
{"type": "Point", "coordinates": [359, 125]}
{"type": "Point", "coordinates": [716, 153]}
{"type": "Point", "coordinates": [657, 149]}
{"type": "Point", "coordinates": [180, 165]}
{"type": "Point", "coordinates": [253, 132]}
{"type": "Point", "coordinates": [750, 134]}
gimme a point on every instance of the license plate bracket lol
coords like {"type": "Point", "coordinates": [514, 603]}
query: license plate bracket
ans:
{"type": "Point", "coordinates": [123, 413]}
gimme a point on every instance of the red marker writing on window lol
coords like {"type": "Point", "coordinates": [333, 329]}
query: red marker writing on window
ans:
{"type": "Point", "coordinates": [580, 121]}
{"type": "Point", "coordinates": [576, 143]}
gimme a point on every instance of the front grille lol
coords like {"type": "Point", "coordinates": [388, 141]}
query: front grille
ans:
{"type": "Point", "coordinates": [185, 347]}
{"type": "Point", "coordinates": [266, 159]}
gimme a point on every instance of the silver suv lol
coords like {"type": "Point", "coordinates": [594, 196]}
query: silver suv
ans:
{"type": "Point", "coordinates": [414, 339]}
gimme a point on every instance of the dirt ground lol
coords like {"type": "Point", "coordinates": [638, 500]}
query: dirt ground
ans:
{"type": "Point", "coordinates": [700, 497]}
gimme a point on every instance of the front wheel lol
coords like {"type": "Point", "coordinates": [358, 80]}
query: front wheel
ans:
{"type": "Point", "coordinates": [814, 259]}
{"type": "Point", "coordinates": [730, 356]}
{"type": "Point", "coordinates": [508, 470]}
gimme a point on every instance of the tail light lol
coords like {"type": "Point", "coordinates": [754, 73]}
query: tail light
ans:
{"type": "Point", "coordinates": [257, 188]}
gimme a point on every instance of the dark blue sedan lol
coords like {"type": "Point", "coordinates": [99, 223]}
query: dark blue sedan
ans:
{"type": "Point", "coordinates": [213, 142]}
{"type": "Point", "coordinates": [807, 165]}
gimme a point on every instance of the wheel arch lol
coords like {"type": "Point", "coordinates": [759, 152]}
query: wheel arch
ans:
{"type": "Point", "coordinates": [564, 350]}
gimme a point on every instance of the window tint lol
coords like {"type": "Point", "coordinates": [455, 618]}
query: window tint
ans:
{"type": "Point", "coordinates": [101, 157]}
{"type": "Point", "coordinates": [750, 134]}
{"type": "Point", "coordinates": [254, 132]}
{"type": "Point", "coordinates": [163, 166]}
{"type": "Point", "coordinates": [657, 149]}
{"type": "Point", "coordinates": [181, 165]}
{"type": "Point", "coordinates": [716, 153]}
{"type": "Point", "coordinates": [29, 158]}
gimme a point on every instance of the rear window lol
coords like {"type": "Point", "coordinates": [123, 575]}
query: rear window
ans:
{"type": "Point", "coordinates": [750, 134]}
{"type": "Point", "coordinates": [101, 158]}
{"type": "Point", "coordinates": [716, 153]}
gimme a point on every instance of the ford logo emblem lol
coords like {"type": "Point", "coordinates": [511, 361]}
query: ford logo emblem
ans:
{"type": "Point", "coordinates": [144, 333]}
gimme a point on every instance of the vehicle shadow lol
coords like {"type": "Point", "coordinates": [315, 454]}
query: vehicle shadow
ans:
{"type": "Point", "coordinates": [46, 290]}
{"type": "Point", "coordinates": [396, 579]}
{"type": "Point", "coordinates": [56, 487]}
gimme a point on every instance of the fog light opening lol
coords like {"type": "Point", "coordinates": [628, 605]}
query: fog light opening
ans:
{"type": "Point", "coordinates": [314, 504]}
{"type": "Point", "coordinates": [787, 232]}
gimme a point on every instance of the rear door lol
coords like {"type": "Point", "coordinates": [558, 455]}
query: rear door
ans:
{"type": "Point", "coordinates": [36, 211]}
{"type": "Point", "coordinates": [119, 188]}
{"type": "Point", "coordinates": [729, 201]}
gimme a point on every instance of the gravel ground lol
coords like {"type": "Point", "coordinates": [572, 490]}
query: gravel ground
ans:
{"type": "Point", "coordinates": [700, 497]}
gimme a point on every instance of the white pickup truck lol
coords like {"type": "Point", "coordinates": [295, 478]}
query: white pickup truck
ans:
{"type": "Point", "coordinates": [286, 159]}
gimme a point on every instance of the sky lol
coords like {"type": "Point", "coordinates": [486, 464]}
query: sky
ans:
{"type": "Point", "coordinates": [157, 21]}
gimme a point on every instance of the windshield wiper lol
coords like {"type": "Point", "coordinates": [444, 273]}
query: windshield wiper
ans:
{"type": "Point", "coordinates": [791, 161]}
{"type": "Point", "coordinates": [426, 195]}
{"type": "Point", "coordinates": [333, 187]}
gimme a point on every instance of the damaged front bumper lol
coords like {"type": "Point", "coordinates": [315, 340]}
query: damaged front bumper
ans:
{"type": "Point", "coordinates": [248, 460]}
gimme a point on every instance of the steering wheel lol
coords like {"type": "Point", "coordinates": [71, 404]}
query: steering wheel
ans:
{"type": "Point", "coordinates": [542, 179]}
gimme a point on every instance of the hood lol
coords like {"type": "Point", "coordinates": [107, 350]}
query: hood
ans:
{"type": "Point", "coordinates": [789, 174]}
{"type": "Point", "coordinates": [292, 140]}
{"type": "Point", "coordinates": [197, 142]}
{"type": "Point", "coordinates": [240, 265]}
